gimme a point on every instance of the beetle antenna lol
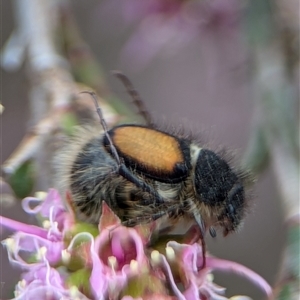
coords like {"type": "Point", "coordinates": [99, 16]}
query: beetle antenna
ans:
{"type": "Point", "coordinates": [104, 126]}
{"type": "Point", "coordinates": [136, 98]}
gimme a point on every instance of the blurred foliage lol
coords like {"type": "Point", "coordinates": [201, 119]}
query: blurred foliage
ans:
{"type": "Point", "coordinates": [23, 179]}
{"type": "Point", "coordinates": [68, 123]}
{"type": "Point", "coordinates": [259, 22]}
{"type": "Point", "coordinates": [80, 279]}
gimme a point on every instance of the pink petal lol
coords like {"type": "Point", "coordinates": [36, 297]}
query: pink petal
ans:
{"type": "Point", "coordinates": [18, 226]}
{"type": "Point", "coordinates": [225, 265]}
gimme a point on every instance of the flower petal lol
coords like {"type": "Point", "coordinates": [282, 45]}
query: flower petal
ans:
{"type": "Point", "coordinates": [18, 226]}
{"type": "Point", "coordinates": [225, 265]}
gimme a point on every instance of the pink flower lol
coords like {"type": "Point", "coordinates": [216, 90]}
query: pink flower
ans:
{"type": "Point", "coordinates": [70, 260]}
{"type": "Point", "coordinates": [51, 208]}
{"type": "Point", "coordinates": [198, 282]}
{"type": "Point", "coordinates": [114, 252]}
{"type": "Point", "coordinates": [44, 282]}
{"type": "Point", "coordinates": [30, 239]}
{"type": "Point", "coordinates": [35, 250]}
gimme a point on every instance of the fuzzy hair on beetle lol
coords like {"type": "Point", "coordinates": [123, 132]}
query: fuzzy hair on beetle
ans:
{"type": "Point", "coordinates": [145, 173]}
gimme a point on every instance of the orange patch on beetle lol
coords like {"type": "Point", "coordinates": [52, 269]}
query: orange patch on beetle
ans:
{"type": "Point", "coordinates": [154, 149]}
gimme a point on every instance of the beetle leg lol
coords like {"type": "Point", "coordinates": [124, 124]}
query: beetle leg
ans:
{"type": "Point", "coordinates": [202, 229]}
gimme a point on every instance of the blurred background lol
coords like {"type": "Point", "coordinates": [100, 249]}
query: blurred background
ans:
{"type": "Point", "coordinates": [228, 69]}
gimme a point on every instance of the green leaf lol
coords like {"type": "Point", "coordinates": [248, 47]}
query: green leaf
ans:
{"type": "Point", "coordinates": [80, 279]}
{"type": "Point", "coordinates": [293, 251]}
{"type": "Point", "coordinates": [22, 181]}
{"type": "Point", "coordinates": [142, 284]}
{"type": "Point", "coordinates": [259, 21]}
{"type": "Point", "coordinates": [86, 227]}
{"type": "Point", "coordinates": [81, 227]}
{"type": "Point", "coordinates": [285, 293]}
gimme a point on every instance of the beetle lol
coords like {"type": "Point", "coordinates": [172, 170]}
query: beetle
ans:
{"type": "Point", "coordinates": [145, 173]}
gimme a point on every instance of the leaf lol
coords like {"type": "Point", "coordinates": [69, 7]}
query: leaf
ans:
{"type": "Point", "coordinates": [22, 180]}
{"type": "Point", "coordinates": [80, 279]}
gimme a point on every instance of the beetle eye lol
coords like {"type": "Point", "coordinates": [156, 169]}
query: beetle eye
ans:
{"type": "Point", "coordinates": [233, 213]}
{"type": "Point", "coordinates": [235, 197]}
{"type": "Point", "coordinates": [212, 232]}
{"type": "Point", "coordinates": [235, 203]}
{"type": "Point", "coordinates": [230, 209]}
